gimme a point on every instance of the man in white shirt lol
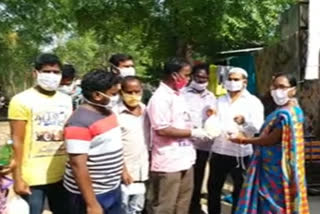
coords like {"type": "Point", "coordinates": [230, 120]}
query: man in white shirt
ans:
{"type": "Point", "coordinates": [199, 101]}
{"type": "Point", "coordinates": [239, 113]}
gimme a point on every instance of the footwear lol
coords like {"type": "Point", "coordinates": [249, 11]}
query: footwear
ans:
{"type": "Point", "coordinates": [227, 198]}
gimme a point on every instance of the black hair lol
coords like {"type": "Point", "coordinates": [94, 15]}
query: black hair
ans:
{"type": "Point", "coordinates": [127, 79]}
{"type": "Point", "coordinates": [174, 65]}
{"type": "Point", "coordinates": [199, 67]}
{"type": "Point", "coordinates": [68, 71]}
{"type": "Point", "coordinates": [98, 80]}
{"type": "Point", "coordinates": [291, 78]}
{"type": "Point", "coordinates": [115, 59]}
{"type": "Point", "coordinates": [46, 59]}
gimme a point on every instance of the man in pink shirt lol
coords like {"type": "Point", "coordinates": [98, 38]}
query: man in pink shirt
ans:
{"type": "Point", "coordinates": [173, 154]}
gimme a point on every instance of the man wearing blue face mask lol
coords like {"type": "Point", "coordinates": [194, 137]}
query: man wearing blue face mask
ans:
{"type": "Point", "coordinates": [240, 114]}
{"type": "Point", "coordinates": [37, 118]}
{"type": "Point", "coordinates": [199, 102]}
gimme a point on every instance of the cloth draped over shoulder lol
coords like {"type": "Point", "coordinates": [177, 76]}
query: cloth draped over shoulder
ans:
{"type": "Point", "coordinates": [275, 182]}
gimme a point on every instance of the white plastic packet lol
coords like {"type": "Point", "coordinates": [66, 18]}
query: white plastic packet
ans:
{"type": "Point", "coordinates": [134, 189]}
{"type": "Point", "coordinates": [17, 205]}
{"type": "Point", "coordinates": [211, 126]}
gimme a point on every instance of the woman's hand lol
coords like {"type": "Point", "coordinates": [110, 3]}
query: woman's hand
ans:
{"type": "Point", "coordinates": [238, 140]}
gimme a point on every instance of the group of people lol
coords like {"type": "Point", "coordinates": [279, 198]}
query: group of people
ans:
{"type": "Point", "coordinates": [111, 153]}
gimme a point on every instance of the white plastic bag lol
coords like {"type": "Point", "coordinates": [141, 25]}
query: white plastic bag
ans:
{"type": "Point", "coordinates": [134, 189]}
{"type": "Point", "coordinates": [17, 205]}
{"type": "Point", "coordinates": [211, 126]}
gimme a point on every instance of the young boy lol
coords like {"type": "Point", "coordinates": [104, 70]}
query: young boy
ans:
{"type": "Point", "coordinates": [134, 129]}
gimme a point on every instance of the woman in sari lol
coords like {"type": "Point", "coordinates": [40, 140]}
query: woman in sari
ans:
{"type": "Point", "coordinates": [275, 182]}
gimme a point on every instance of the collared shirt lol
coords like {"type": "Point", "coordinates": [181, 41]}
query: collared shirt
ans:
{"type": "Point", "coordinates": [246, 105]}
{"type": "Point", "coordinates": [198, 104]}
{"type": "Point", "coordinates": [167, 108]}
{"type": "Point", "coordinates": [135, 132]}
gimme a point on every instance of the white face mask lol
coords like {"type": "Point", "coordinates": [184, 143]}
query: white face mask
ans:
{"type": "Point", "coordinates": [113, 101]}
{"type": "Point", "coordinates": [48, 81]}
{"type": "Point", "coordinates": [234, 85]}
{"type": "Point", "coordinates": [198, 86]}
{"type": "Point", "coordinates": [67, 89]}
{"type": "Point", "coordinates": [107, 107]}
{"type": "Point", "coordinates": [280, 96]}
{"type": "Point", "coordinates": [127, 71]}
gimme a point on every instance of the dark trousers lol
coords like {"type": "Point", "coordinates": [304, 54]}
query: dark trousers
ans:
{"type": "Point", "coordinates": [55, 193]}
{"type": "Point", "coordinates": [110, 202]}
{"type": "Point", "coordinates": [199, 171]}
{"type": "Point", "coordinates": [220, 167]}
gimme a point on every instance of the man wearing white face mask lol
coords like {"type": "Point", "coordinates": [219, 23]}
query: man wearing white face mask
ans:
{"type": "Point", "coordinates": [122, 64]}
{"type": "Point", "coordinates": [239, 113]}
{"type": "Point", "coordinates": [68, 85]}
{"type": "Point", "coordinates": [37, 117]}
{"type": "Point", "coordinates": [199, 101]}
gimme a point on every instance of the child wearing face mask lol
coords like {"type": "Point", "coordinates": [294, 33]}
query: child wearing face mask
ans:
{"type": "Point", "coordinates": [134, 125]}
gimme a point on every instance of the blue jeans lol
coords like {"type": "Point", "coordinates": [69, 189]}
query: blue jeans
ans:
{"type": "Point", "coordinates": [110, 202]}
{"type": "Point", "coordinates": [132, 204]}
{"type": "Point", "coordinates": [55, 193]}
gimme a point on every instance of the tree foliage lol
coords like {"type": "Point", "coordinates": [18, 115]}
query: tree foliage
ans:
{"type": "Point", "coordinates": [150, 30]}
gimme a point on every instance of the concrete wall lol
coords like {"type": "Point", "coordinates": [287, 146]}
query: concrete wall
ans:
{"type": "Point", "coordinates": [289, 55]}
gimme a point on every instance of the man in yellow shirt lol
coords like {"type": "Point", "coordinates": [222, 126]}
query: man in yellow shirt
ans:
{"type": "Point", "coordinates": [37, 117]}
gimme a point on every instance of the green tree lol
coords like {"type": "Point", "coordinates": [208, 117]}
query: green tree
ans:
{"type": "Point", "coordinates": [173, 27]}
{"type": "Point", "coordinates": [150, 30]}
{"type": "Point", "coordinates": [25, 26]}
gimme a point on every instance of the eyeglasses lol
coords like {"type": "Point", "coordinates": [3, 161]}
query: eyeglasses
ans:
{"type": "Point", "coordinates": [274, 87]}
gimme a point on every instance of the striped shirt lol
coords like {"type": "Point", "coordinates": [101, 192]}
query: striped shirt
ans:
{"type": "Point", "coordinates": [99, 136]}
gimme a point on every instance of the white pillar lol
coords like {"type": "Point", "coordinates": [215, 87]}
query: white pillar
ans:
{"type": "Point", "coordinates": [312, 67]}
